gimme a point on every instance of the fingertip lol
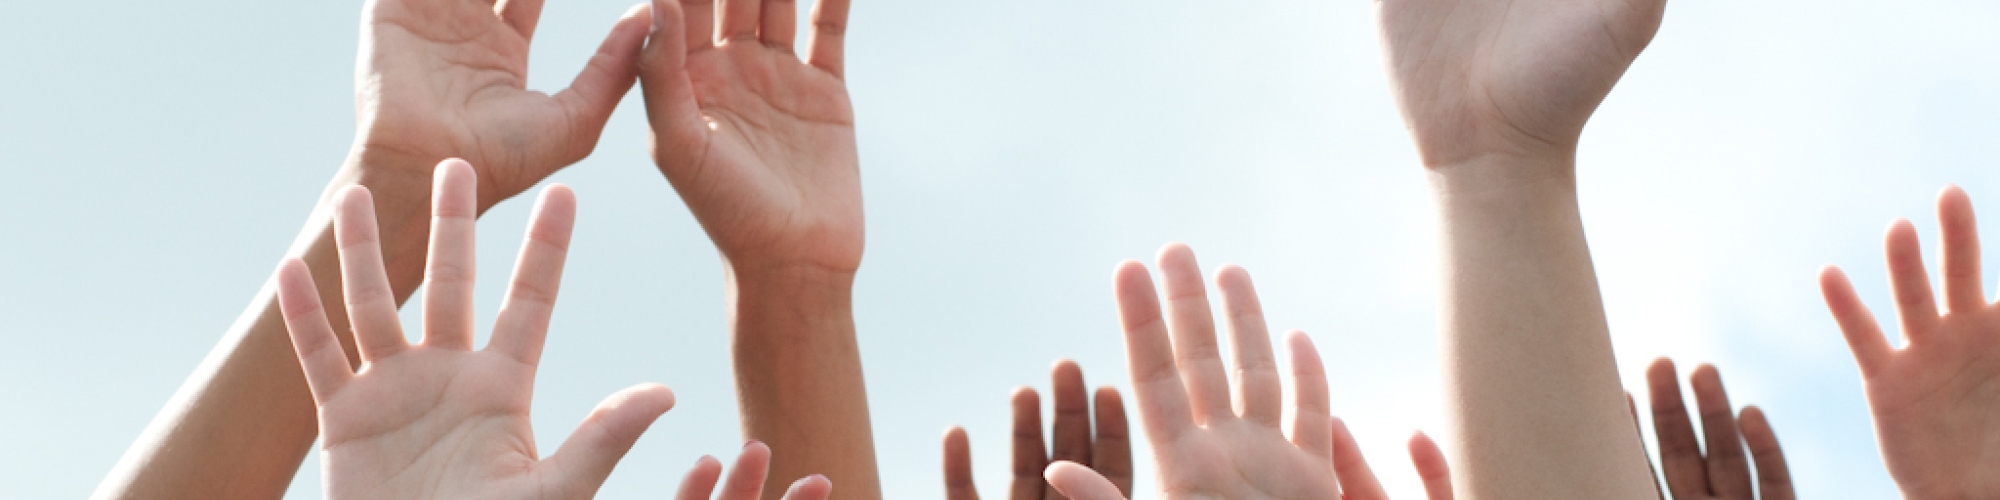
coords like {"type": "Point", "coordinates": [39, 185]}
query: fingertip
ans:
{"type": "Point", "coordinates": [1232, 275]}
{"type": "Point", "coordinates": [812, 487]}
{"type": "Point", "coordinates": [1108, 396]}
{"type": "Point", "coordinates": [652, 398]}
{"type": "Point", "coordinates": [1705, 373]}
{"type": "Point", "coordinates": [1175, 252]}
{"type": "Point", "coordinates": [954, 435]}
{"type": "Point", "coordinates": [1066, 369]}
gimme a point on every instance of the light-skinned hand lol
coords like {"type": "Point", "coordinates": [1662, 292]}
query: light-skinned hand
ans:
{"type": "Point", "coordinates": [1203, 446]}
{"type": "Point", "coordinates": [1936, 400]}
{"type": "Point", "coordinates": [439, 419]}
{"type": "Point", "coordinates": [759, 142]}
{"type": "Point", "coordinates": [1109, 452]}
{"type": "Point", "coordinates": [1723, 472]}
{"type": "Point", "coordinates": [1512, 78]}
{"type": "Point", "coordinates": [448, 78]}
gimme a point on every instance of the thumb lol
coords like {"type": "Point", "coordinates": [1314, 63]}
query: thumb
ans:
{"type": "Point", "coordinates": [813, 487]}
{"type": "Point", "coordinates": [1080, 483]}
{"type": "Point", "coordinates": [587, 457]}
{"type": "Point", "coordinates": [678, 128]}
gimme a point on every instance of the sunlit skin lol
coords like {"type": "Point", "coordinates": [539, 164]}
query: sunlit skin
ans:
{"type": "Point", "coordinates": [1723, 472]}
{"type": "Point", "coordinates": [1936, 399]}
{"type": "Point", "coordinates": [1495, 94]}
{"type": "Point", "coordinates": [434, 79]}
{"type": "Point", "coordinates": [757, 137]}
{"type": "Point", "coordinates": [1205, 445]}
{"type": "Point", "coordinates": [1106, 450]}
{"type": "Point", "coordinates": [439, 419]}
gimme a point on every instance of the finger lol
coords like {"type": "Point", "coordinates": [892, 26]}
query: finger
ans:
{"type": "Point", "coordinates": [1080, 483]}
{"type": "Point", "coordinates": [1909, 282]}
{"type": "Point", "coordinates": [812, 487]}
{"type": "Point", "coordinates": [523, 323]}
{"type": "Point", "coordinates": [1259, 393]}
{"type": "Point", "coordinates": [1864, 335]}
{"type": "Point", "coordinates": [1312, 420]}
{"type": "Point", "coordinates": [587, 104]}
{"type": "Point", "coordinates": [678, 128]}
{"type": "Point", "coordinates": [700, 480]}
{"type": "Point", "coordinates": [371, 304]}
{"type": "Point", "coordinates": [320, 355]}
{"type": "Point", "coordinates": [740, 20]}
{"type": "Point", "coordinates": [1193, 329]}
{"type": "Point", "coordinates": [449, 272]}
{"type": "Point", "coordinates": [1156, 382]}
{"type": "Point", "coordinates": [520, 15]}
{"type": "Point", "coordinates": [1357, 481]}
{"type": "Point", "coordinates": [1112, 454]}
{"type": "Point", "coordinates": [1774, 478]}
{"type": "Point", "coordinates": [746, 479]}
{"type": "Point", "coordinates": [1431, 467]}
{"type": "Point", "coordinates": [1680, 455]}
{"type": "Point", "coordinates": [1029, 455]}
{"type": "Point", "coordinates": [587, 457]}
{"type": "Point", "coordinates": [958, 466]}
{"type": "Point", "coordinates": [1069, 434]}
{"type": "Point", "coordinates": [824, 50]}
{"type": "Point", "coordinates": [780, 24]}
{"type": "Point", "coordinates": [1728, 469]}
{"type": "Point", "coordinates": [1963, 290]}
{"type": "Point", "coordinates": [696, 18]}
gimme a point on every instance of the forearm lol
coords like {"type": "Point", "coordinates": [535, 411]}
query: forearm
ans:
{"type": "Point", "coordinates": [798, 376]}
{"type": "Point", "coordinates": [1531, 381]}
{"type": "Point", "coordinates": [244, 420]}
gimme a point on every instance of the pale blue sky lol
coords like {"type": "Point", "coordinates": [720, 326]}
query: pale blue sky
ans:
{"type": "Point", "coordinates": [163, 154]}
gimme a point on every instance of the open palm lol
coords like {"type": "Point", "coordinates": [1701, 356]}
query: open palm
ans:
{"type": "Point", "coordinates": [448, 78]}
{"type": "Point", "coordinates": [1936, 401]}
{"type": "Point", "coordinates": [438, 419]}
{"type": "Point", "coordinates": [1515, 77]}
{"type": "Point", "coordinates": [1204, 448]}
{"type": "Point", "coordinates": [759, 143]}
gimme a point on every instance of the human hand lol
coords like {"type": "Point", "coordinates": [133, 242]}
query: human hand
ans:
{"type": "Point", "coordinates": [1204, 448]}
{"type": "Point", "coordinates": [1723, 474]}
{"type": "Point", "coordinates": [1110, 453]}
{"type": "Point", "coordinates": [1936, 401]}
{"type": "Point", "coordinates": [1514, 78]}
{"type": "Point", "coordinates": [747, 482]}
{"type": "Point", "coordinates": [448, 78]}
{"type": "Point", "coordinates": [438, 419]}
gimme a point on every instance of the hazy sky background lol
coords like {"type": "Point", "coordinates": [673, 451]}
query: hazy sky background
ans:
{"type": "Point", "coordinates": [162, 155]}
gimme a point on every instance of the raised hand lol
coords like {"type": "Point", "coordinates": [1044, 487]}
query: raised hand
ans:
{"type": "Point", "coordinates": [448, 78]}
{"type": "Point", "coordinates": [1512, 78]}
{"type": "Point", "coordinates": [759, 143]}
{"type": "Point", "coordinates": [1109, 453]}
{"type": "Point", "coordinates": [1936, 400]}
{"type": "Point", "coordinates": [1723, 473]}
{"type": "Point", "coordinates": [746, 482]}
{"type": "Point", "coordinates": [439, 419]}
{"type": "Point", "coordinates": [1203, 447]}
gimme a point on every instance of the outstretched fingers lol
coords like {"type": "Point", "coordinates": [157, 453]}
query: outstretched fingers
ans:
{"type": "Point", "coordinates": [1080, 483]}
{"type": "Point", "coordinates": [1258, 391]}
{"type": "Point", "coordinates": [523, 323]}
{"type": "Point", "coordinates": [1431, 467]}
{"type": "Point", "coordinates": [1357, 481]}
{"type": "Point", "coordinates": [1909, 282]}
{"type": "Point", "coordinates": [449, 272]}
{"type": "Point", "coordinates": [371, 304]}
{"type": "Point", "coordinates": [1774, 478]}
{"type": "Point", "coordinates": [320, 354]}
{"type": "Point", "coordinates": [958, 466]}
{"type": "Point", "coordinates": [588, 456]}
{"type": "Point", "coordinates": [1313, 420]}
{"type": "Point", "coordinates": [1963, 289]}
{"type": "Point", "coordinates": [1864, 335]}
{"type": "Point", "coordinates": [1156, 382]}
{"type": "Point", "coordinates": [1192, 327]}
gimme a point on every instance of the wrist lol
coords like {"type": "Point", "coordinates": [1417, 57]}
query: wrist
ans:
{"type": "Point", "coordinates": [1497, 174]}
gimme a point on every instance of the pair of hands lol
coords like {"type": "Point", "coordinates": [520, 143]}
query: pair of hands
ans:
{"type": "Point", "coordinates": [759, 142]}
{"type": "Point", "coordinates": [1204, 446]}
{"type": "Point", "coordinates": [1936, 400]}
{"type": "Point", "coordinates": [440, 419]}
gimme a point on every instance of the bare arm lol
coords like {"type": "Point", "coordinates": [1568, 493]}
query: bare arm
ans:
{"type": "Point", "coordinates": [436, 79]}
